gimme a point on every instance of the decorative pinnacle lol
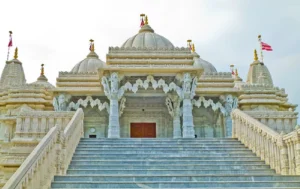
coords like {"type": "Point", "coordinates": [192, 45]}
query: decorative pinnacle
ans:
{"type": "Point", "coordinates": [142, 15]}
{"type": "Point", "coordinates": [16, 53]}
{"type": "Point", "coordinates": [236, 72]}
{"type": "Point", "coordinates": [189, 40]}
{"type": "Point", "coordinates": [42, 69]}
{"type": "Point", "coordinates": [259, 36]}
{"type": "Point", "coordinates": [146, 20]}
{"type": "Point", "coordinates": [193, 47]}
{"type": "Point", "coordinates": [92, 46]}
{"type": "Point", "coordinates": [10, 32]}
{"type": "Point", "coordinates": [255, 55]}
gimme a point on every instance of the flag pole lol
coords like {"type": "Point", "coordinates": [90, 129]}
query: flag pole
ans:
{"type": "Point", "coordinates": [9, 44]}
{"type": "Point", "coordinates": [261, 51]}
{"type": "Point", "coordinates": [7, 54]}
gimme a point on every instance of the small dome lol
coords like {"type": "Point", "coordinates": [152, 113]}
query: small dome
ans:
{"type": "Point", "coordinates": [147, 38]}
{"type": "Point", "coordinates": [90, 64]}
{"type": "Point", "coordinates": [206, 66]}
{"type": "Point", "coordinates": [42, 82]}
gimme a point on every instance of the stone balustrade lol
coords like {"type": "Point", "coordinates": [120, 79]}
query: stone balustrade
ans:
{"type": "Point", "coordinates": [50, 157]}
{"type": "Point", "coordinates": [34, 125]}
{"type": "Point", "coordinates": [281, 152]}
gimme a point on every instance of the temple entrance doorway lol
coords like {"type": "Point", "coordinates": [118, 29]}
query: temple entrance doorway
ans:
{"type": "Point", "coordinates": [143, 130]}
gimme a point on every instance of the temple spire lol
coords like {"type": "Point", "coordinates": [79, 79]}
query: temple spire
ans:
{"type": "Point", "coordinates": [16, 53]}
{"type": "Point", "coordinates": [146, 20]}
{"type": "Point", "coordinates": [255, 55]}
{"type": "Point", "coordinates": [193, 47]}
{"type": "Point", "coordinates": [92, 46]}
{"type": "Point", "coordinates": [42, 70]}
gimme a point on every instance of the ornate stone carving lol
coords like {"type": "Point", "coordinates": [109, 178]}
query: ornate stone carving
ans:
{"type": "Point", "coordinates": [93, 103]}
{"type": "Point", "coordinates": [122, 106]}
{"type": "Point", "coordinates": [187, 93]}
{"type": "Point", "coordinates": [173, 105]}
{"type": "Point", "coordinates": [209, 102]}
{"type": "Point", "coordinates": [114, 94]}
{"type": "Point", "coordinates": [60, 102]}
{"type": "Point", "coordinates": [145, 84]}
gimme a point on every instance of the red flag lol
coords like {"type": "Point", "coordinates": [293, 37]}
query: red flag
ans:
{"type": "Point", "coordinates": [142, 23]}
{"type": "Point", "coordinates": [232, 72]}
{"type": "Point", "coordinates": [10, 41]}
{"type": "Point", "coordinates": [266, 47]}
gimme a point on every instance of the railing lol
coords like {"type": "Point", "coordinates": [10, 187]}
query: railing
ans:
{"type": "Point", "coordinates": [51, 156]}
{"type": "Point", "coordinates": [281, 152]}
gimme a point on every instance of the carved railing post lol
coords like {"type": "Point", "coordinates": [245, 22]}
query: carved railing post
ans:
{"type": "Point", "coordinates": [283, 153]}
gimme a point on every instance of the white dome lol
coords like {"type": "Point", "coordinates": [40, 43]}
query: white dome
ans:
{"type": "Point", "coordinates": [207, 66]}
{"type": "Point", "coordinates": [147, 38]}
{"type": "Point", "coordinates": [90, 64]}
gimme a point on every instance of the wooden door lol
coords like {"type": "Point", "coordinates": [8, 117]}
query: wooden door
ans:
{"type": "Point", "coordinates": [143, 130]}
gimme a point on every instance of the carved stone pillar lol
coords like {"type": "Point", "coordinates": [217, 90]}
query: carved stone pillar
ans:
{"type": "Point", "coordinates": [188, 125]}
{"type": "Point", "coordinates": [173, 105]}
{"type": "Point", "coordinates": [187, 107]}
{"type": "Point", "coordinates": [230, 104]}
{"type": "Point", "coordinates": [113, 93]}
{"type": "Point", "coordinates": [114, 125]}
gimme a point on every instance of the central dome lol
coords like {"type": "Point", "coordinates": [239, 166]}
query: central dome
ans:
{"type": "Point", "coordinates": [147, 38]}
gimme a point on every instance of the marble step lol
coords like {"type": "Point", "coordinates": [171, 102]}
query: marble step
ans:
{"type": "Point", "coordinates": [212, 148]}
{"type": "Point", "coordinates": [160, 142]}
{"type": "Point", "coordinates": [173, 184]}
{"type": "Point", "coordinates": [170, 162]}
{"type": "Point", "coordinates": [157, 139]}
{"type": "Point", "coordinates": [167, 167]}
{"type": "Point", "coordinates": [142, 151]}
{"type": "Point", "coordinates": [163, 171]}
{"type": "Point", "coordinates": [145, 158]}
{"type": "Point", "coordinates": [208, 178]}
{"type": "Point", "coordinates": [173, 156]}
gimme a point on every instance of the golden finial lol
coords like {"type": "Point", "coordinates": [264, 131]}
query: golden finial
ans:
{"type": "Point", "coordinates": [255, 55]}
{"type": "Point", "coordinates": [193, 47]}
{"type": "Point", "coordinates": [236, 72]}
{"type": "Point", "coordinates": [16, 53]}
{"type": "Point", "coordinates": [92, 46]}
{"type": "Point", "coordinates": [142, 15]}
{"type": "Point", "coordinates": [259, 36]}
{"type": "Point", "coordinates": [42, 69]}
{"type": "Point", "coordinates": [146, 20]}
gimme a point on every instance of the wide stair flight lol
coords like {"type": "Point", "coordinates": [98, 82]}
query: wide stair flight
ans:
{"type": "Point", "coordinates": [169, 163]}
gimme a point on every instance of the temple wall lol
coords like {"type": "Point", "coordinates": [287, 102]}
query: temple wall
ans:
{"type": "Point", "coordinates": [208, 123]}
{"type": "Point", "coordinates": [95, 122]}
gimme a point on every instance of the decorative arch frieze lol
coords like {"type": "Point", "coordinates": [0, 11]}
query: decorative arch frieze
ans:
{"type": "Point", "coordinates": [91, 101]}
{"type": "Point", "coordinates": [207, 103]}
{"type": "Point", "coordinates": [145, 84]}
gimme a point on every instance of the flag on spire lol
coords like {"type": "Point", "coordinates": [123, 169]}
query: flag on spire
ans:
{"type": "Point", "coordinates": [266, 47]}
{"type": "Point", "coordinates": [10, 44]}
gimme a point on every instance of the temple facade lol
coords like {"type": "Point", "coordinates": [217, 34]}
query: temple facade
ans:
{"type": "Point", "coordinates": [146, 88]}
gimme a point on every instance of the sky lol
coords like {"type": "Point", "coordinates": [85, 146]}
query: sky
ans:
{"type": "Point", "coordinates": [224, 32]}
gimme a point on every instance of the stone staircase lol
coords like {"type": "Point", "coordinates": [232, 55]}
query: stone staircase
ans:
{"type": "Point", "coordinates": [169, 163]}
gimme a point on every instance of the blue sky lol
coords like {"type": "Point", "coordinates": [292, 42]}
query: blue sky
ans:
{"type": "Point", "coordinates": [57, 33]}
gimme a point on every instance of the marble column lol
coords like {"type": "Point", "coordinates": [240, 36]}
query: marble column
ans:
{"type": "Point", "coordinates": [188, 130]}
{"type": "Point", "coordinates": [114, 125]}
{"type": "Point", "coordinates": [111, 90]}
{"type": "Point", "coordinates": [187, 117]}
{"type": "Point", "coordinates": [173, 105]}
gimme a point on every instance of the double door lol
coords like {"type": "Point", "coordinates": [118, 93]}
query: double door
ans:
{"type": "Point", "coordinates": [143, 130]}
